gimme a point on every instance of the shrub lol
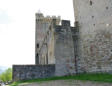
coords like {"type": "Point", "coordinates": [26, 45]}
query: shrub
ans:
{"type": "Point", "coordinates": [6, 76]}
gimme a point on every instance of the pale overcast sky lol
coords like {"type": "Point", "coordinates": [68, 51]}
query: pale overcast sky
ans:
{"type": "Point", "coordinates": [17, 27]}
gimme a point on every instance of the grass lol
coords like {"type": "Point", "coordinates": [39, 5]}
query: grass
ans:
{"type": "Point", "coordinates": [86, 77]}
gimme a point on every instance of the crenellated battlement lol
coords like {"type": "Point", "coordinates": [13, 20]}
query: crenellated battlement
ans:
{"type": "Point", "coordinates": [47, 19]}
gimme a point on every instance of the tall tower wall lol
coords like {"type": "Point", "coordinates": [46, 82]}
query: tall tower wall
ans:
{"type": "Point", "coordinates": [64, 50]}
{"type": "Point", "coordinates": [95, 29]}
{"type": "Point", "coordinates": [44, 46]}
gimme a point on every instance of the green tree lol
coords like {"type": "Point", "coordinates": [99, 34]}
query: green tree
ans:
{"type": "Point", "coordinates": [6, 76]}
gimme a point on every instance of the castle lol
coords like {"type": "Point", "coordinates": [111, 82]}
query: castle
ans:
{"type": "Point", "coordinates": [64, 50]}
{"type": "Point", "coordinates": [55, 44]}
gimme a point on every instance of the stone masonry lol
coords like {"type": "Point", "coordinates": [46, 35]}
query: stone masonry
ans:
{"type": "Point", "coordinates": [94, 19]}
{"type": "Point", "coordinates": [45, 39]}
{"type": "Point", "coordinates": [57, 46]}
{"type": "Point", "coordinates": [26, 72]}
{"type": "Point", "coordinates": [64, 49]}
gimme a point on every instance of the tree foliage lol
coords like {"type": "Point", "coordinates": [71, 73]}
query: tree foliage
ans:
{"type": "Point", "coordinates": [6, 76]}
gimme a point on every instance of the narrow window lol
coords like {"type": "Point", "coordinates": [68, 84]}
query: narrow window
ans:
{"type": "Point", "coordinates": [37, 55]}
{"type": "Point", "coordinates": [37, 59]}
{"type": "Point", "coordinates": [107, 8]}
{"type": "Point", "coordinates": [37, 45]}
{"type": "Point", "coordinates": [91, 2]}
{"type": "Point", "coordinates": [94, 24]}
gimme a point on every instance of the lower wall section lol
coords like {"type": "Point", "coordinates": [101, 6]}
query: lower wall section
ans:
{"type": "Point", "coordinates": [24, 72]}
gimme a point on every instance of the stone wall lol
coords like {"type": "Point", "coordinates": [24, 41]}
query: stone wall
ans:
{"type": "Point", "coordinates": [26, 72]}
{"type": "Point", "coordinates": [75, 36]}
{"type": "Point", "coordinates": [64, 49]}
{"type": "Point", "coordinates": [95, 30]}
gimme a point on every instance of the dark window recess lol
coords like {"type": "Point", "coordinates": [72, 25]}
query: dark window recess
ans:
{"type": "Point", "coordinates": [37, 55]}
{"type": "Point", "coordinates": [50, 27]}
{"type": "Point", "coordinates": [47, 58]}
{"type": "Point", "coordinates": [91, 2]}
{"type": "Point", "coordinates": [107, 8]}
{"type": "Point", "coordinates": [37, 58]}
{"type": "Point", "coordinates": [37, 45]}
{"type": "Point", "coordinates": [92, 16]}
{"type": "Point", "coordinates": [48, 32]}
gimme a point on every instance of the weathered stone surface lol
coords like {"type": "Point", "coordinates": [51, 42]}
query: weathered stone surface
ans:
{"type": "Point", "coordinates": [95, 34]}
{"type": "Point", "coordinates": [64, 49]}
{"type": "Point", "coordinates": [26, 72]}
{"type": "Point", "coordinates": [45, 39]}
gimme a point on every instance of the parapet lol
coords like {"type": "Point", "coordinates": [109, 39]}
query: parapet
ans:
{"type": "Point", "coordinates": [39, 16]}
{"type": "Point", "coordinates": [65, 23]}
{"type": "Point", "coordinates": [47, 19]}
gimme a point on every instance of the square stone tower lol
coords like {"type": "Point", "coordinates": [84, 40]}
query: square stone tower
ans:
{"type": "Point", "coordinates": [94, 19]}
{"type": "Point", "coordinates": [44, 44]}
